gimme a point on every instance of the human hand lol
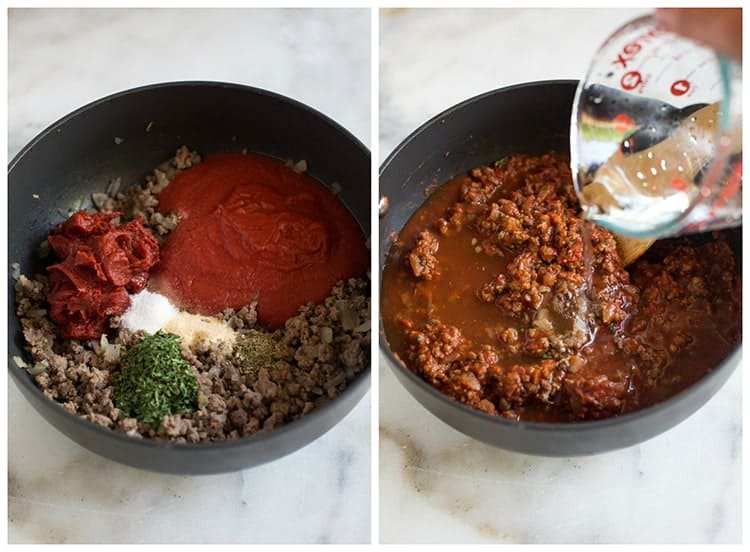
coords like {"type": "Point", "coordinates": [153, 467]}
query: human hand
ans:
{"type": "Point", "coordinates": [719, 28]}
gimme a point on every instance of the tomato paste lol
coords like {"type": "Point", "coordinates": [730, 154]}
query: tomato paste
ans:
{"type": "Point", "coordinates": [252, 228]}
{"type": "Point", "coordinates": [100, 262]}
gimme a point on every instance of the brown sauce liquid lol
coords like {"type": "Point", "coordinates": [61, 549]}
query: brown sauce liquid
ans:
{"type": "Point", "coordinates": [450, 298]}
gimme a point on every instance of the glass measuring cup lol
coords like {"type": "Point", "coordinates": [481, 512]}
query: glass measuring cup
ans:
{"type": "Point", "coordinates": [656, 135]}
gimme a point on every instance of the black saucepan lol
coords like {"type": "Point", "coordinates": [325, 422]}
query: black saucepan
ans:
{"type": "Point", "coordinates": [531, 118]}
{"type": "Point", "coordinates": [78, 155]}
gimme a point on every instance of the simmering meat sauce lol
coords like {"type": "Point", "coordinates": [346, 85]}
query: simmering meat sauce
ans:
{"type": "Point", "coordinates": [497, 294]}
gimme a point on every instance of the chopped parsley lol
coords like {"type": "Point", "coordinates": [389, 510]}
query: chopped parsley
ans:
{"type": "Point", "coordinates": [154, 380]}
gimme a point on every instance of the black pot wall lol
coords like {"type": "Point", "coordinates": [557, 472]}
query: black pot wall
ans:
{"type": "Point", "coordinates": [531, 118]}
{"type": "Point", "coordinates": [78, 156]}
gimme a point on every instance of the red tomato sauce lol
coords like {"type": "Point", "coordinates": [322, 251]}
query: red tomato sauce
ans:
{"type": "Point", "coordinates": [100, 263]}
{"type": "Point", "coordinates": [250, 227]}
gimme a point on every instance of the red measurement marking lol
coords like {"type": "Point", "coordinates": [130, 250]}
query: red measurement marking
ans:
{"type": "Point", "coordinates": [631, 49]}
{"type": "Point", "coordinates": [680, 87]}
{"type": "Point", "coordinates": [621, 60]}
{"type": "Point", "coordinates": [631, 80]}
{"type": "Point", "coordinates": [679, 184]}
{"type": "Point", "coordinates": [628, 53]}
{"type": "Point", "coordinates": [622, 123]}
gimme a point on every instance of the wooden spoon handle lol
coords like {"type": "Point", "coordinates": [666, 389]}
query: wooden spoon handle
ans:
{"type": "Point", "coordinates": [631, 249]}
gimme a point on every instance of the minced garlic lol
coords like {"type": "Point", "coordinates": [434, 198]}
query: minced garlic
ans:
{"type": "Point", "coordinates": [193, 328]}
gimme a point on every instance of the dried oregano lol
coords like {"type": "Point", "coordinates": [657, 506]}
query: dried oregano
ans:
{"type": "Point", "coordinates": [255, 350]}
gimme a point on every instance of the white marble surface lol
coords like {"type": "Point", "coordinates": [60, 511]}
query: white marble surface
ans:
{"type": "Point", "coordinates": [436, 485]}
{"type": "Point", "coordinates": [62, 59]}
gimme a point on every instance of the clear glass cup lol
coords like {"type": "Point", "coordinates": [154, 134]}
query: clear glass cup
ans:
{"type": "Point", "coordinates": [656, 135]}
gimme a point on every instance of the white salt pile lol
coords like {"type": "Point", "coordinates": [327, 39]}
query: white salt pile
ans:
{"type": "Point", "coordinates": [148, 312]}
{"type": "Point", "coordinates": [152, 312]}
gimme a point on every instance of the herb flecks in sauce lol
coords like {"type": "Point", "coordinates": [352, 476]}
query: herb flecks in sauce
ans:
{"type": "Point", "coordinates": [154, 380]}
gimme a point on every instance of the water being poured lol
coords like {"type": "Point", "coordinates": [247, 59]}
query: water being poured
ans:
{"type": "Point", "coordinates": [583, 308]}
{"type": "Point", "coordinates": [588, 257]}
{"type": "Point", "coordinates": [586, 296]}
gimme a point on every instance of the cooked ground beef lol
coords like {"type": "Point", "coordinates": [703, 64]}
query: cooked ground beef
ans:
{"type": "Point", "coordinates": [422, 258]}
{"type": "Point", "coordinates": [140, 199]}
{"type": "Point", "coordinates": [323, 351]}
{"type": "Point", "coordinates": [531, 314]}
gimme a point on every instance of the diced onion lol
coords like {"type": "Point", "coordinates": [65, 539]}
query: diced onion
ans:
{"type": "Point", "coordinates": [38, 368]}
{"type": "Point", "coordinates": [364, 327]}
{"type": "Point", "coordinates": [543, 322]}
{"type": "Point", "coordinates": [348, 318]}
{"type": "Point", "coordinates": [99, 199]}
{"type": "Point", "coordinates": [110, 352]}
{"type": "Point", "coordinates": [326, 334]}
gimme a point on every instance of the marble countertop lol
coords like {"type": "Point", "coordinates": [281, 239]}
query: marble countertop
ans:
{"type": "Point", "coordinates": [60, 60]}
{"type": "Point", "coordinates": [439, 486]}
